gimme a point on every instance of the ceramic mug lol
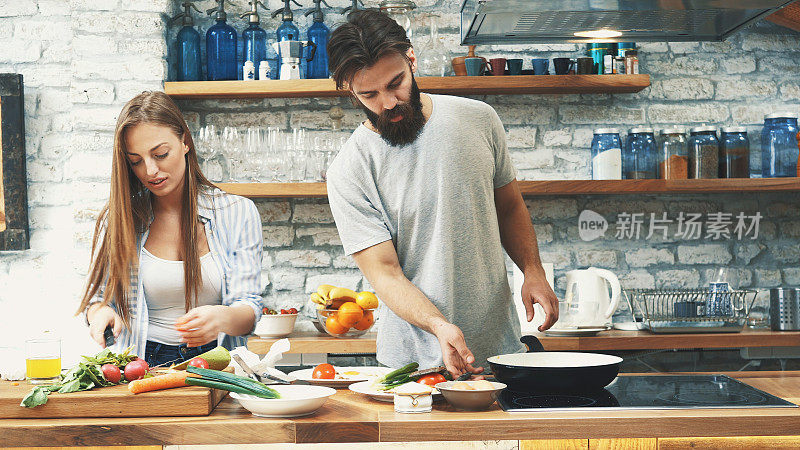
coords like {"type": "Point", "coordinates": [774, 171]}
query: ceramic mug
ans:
{"type": "Point", "coordinates": [498, 66]}
{"type": "Point", "coordinates": [562, 65]}
{"type": "Point", "coordinates": [475, 66]}
{"type": "Point", "coordinates": [514, 66]}
{"type": "Point", "coordinates": [541, 66]}
{"type": "Point", "coordinates": [585, 66]}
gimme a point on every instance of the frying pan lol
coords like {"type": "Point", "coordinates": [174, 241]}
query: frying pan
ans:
{"type": "Point", "coordinates": [541, 371]}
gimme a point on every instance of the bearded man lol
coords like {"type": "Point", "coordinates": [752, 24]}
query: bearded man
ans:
{"type": "Point", "coordinates": [425, 199]}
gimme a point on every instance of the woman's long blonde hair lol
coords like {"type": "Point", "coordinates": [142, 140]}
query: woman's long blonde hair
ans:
{"type": "Point", "coordinates": [128, 211]}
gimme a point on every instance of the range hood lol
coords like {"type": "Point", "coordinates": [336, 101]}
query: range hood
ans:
{"type": "Point", "coordinates": [531, 21]}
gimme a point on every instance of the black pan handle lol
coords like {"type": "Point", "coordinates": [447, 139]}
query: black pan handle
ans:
{"type": "Point", "coordinates": [532, 343]}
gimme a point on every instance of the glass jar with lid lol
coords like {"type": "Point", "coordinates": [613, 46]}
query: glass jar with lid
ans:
{"type": "Point", "coordinates": [779, 147]}
{"type": "Point", "coordinates": [734, 153]}
{"type": "Point", "coordinates": [606, 154]}
{"type": "Point", "coordinates": [673, 163]}
{"type": "Point", "coordinates": [703, 152]}
{"type": "Point", "coordinates": [640, 155]}
{"type": "Point", "coordinates": [400, 10]}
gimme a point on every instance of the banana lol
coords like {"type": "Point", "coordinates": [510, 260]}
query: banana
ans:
{"type": "Point", "coordinates": [316, 298]}
{"type": "Point", "coordinates": [344, 294]}
{"type": "Point", "coordinates": [324, 291]}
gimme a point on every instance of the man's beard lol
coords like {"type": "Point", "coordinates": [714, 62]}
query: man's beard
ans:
{"type": "Point", "coordinates": [408, 128]}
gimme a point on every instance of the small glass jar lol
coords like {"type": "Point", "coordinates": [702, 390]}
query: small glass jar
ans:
{"type": "Point", "coordinates": [673, 162]}
{"type": "Point", "coordinates": [703, 152]}
{"type": "Point", "coordinates": [779, 147]}
{"type": "Point", "coordinates": [734, 153]}
{"type": "Point", "coordinates": [640, 156]}
{"type": "Point", "coordinates": [413, 403]}
{"type": "Point", "coordinates": [606, 154]}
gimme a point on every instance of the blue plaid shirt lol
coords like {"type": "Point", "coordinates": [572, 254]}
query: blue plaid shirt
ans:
{"type": "Point", "coordinates": [233, 229]}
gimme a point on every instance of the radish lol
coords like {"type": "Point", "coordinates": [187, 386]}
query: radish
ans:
{"type": "Point", "coordinates": [111, 373]}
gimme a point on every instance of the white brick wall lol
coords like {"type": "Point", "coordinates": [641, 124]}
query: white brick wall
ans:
{"type": "Point", "coordinates": [82, 59]}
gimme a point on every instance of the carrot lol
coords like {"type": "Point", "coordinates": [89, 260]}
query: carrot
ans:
{"type": "Point", "coordinates": [167, 381]}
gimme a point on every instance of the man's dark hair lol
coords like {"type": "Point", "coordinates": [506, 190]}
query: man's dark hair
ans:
{"type": "Point", "coordinates": [367, 36]}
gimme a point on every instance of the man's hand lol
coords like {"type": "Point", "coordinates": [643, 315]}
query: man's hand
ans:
{"type": "Point", "coordinates": [100, 316]}
{"type": "Point", "coordinates": [536, 289]}
{"type": "Point", "coordinates": [201, 325]}
{"type": "Point", "coordinates": [457, 357]}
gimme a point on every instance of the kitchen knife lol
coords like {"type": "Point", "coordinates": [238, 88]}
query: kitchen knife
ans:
{"type": "Point", "coordinates": [108, 335]}
{"type": "Point", "coordinates": [245, 367]}
{"type": "Point", "coordinates": [427, 371]}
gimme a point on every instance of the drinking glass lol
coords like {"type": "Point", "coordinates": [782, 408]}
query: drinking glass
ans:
{"type": "Point", "coordinates": [43, 360]}
{"type": "Point", "coordinates": [232, 148]}
{"type": "Point", "coordinates": [274, 158]}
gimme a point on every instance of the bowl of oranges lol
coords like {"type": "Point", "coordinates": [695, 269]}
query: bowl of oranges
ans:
{"type": "Point", "coordinates": [342, 312]}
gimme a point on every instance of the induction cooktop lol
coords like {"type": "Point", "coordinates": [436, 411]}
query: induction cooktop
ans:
{"type": "Point", "coordinates": [649, 392]}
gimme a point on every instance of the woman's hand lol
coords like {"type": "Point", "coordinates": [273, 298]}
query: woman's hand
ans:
{"type": "Point", "coordinates": [101, 316]}
{"type": "Point", "coordinates": [203, 324]}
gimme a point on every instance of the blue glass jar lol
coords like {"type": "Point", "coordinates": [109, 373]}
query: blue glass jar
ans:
{"type": "Point", "coordinates": [703, 152]}
{"type": "Point", "coordinates": [606, 154]}
{"type": "Point", "coordinates": [639, 162]}
{"type": "Point", "coordinates": [734, 153]}
{"type": "Point", "coordinates": [779, 147]}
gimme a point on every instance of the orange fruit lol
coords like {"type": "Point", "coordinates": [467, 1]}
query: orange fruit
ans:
{"type": "Point", "coordinates": [333, 326]}
{"type": "Point", "coordinates": [367, 300]}
{"type": "Point", "coordinates": [365, 321]}
{"type": "Point", "coordinates": [349, 314]}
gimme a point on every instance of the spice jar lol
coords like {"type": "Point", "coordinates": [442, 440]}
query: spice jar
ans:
{"type": "Point", "coordinates": [734, 153]}
{"type": "Point", "coordinates": [703, 152]}
{"type": "Point", "coordinates": [779, 145]}
{"type": "Point", "coordinates": [673, 161]}
{"type": "Point", "coordinates": [606, 154]}
{"type": "Point", "coordinates": [640, 156]}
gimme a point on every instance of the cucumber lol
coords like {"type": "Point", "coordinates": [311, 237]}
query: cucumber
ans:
{"type": "Point", "coordinates": [205, 382]}
{"type": "Point", "coordinates": [237, 380]}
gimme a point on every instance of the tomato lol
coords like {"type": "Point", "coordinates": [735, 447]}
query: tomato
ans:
{"type": "Point", "coordinates": [199, 362]}
{"type": "Point", "coordinates": [111, 373]}
{"type": "Point", "coordinates": [324, 372]}
{"type": "Point", "coordinates": [292, 310]}
{"type": "Point", "coordinates": [283, 311]}
{"type": "Point", "coordinates": [431, 379]}
{"type": "Point", "coordinates": [136, 369]}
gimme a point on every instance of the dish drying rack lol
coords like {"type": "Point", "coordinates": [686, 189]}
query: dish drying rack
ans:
{"type": "Point", "coordinates": [690, 310]}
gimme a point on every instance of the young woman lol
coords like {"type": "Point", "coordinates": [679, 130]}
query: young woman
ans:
{"type": "Point", "coordinates": [176, 263]}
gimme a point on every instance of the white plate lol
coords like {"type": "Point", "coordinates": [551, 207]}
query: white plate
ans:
{"type": "Point", "coordinates": [365, 373]}
{"type": "Point", "coordinates": [295, 401]}
{"type": "Point", "coordinates": [574, 331]}
{"type": "Point", "coordinates": [366, 388]}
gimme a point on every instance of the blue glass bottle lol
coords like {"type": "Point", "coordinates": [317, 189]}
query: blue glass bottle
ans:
{"type": "Point", "coordinates": [779, 145]}
{"type": "Point", "coordinates": [318, 33]}
{"type": "Point", "coordinates": [287, 31]}
{"type": "Point", "coordinates": [221, 61]}
{"type": "Point", "coordinates": [640, 156]}
{"type": "Point", "coordinates": [254, 38]}
{"type": "Point", "coordinates": [188, 43]}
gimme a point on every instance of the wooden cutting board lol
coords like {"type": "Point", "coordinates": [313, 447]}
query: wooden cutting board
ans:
{"type": "Point", "coordinates": [112, 401]}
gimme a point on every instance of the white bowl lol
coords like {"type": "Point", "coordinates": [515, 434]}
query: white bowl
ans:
{"type": "Point", "coordinates": [295, 401]}
{"type": "Point", "coordinates": [470, 400]}
{"type": "Point", "coordinates": [275, 325]}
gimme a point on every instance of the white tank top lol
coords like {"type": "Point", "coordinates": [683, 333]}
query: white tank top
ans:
{"type": "Point", "coordinates": [162, 281]}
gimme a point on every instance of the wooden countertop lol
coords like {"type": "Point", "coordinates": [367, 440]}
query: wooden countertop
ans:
{"type": "Point", "coordinates": [313, 342]}
{"type": "Point", "coordinates": [351, 417]}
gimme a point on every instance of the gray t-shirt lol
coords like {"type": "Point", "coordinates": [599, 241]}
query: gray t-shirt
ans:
{"type": "Point", "coordinates": [434, 199]}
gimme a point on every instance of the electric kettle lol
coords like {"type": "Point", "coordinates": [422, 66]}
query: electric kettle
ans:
{"type": "Point", "coordinates": [587, 302]}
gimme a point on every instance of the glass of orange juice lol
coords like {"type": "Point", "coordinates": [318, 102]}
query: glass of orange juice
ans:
{"type": "Point", "coordinates": [43, 360]}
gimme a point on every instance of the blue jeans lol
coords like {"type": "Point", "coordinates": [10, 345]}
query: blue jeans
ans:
{"type": "Point", "coordinates": [157, 354]}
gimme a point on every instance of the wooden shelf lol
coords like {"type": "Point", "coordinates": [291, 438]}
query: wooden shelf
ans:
{"type": "Point", "coordinates": [788, 17]}
{"type": "Point", "coordinates": [554, 187]}
{"type": "Point", "coordinates": [520, 84]}
{"type": "Point", "coordinates": [314, 342]}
